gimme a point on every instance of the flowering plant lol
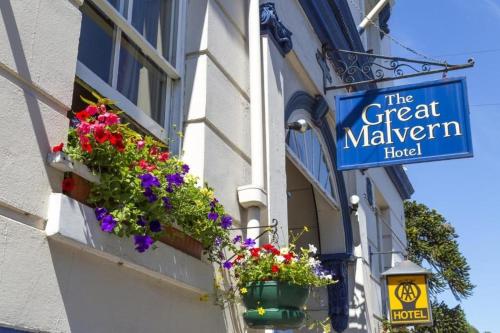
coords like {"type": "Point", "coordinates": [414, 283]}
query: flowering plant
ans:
{"type": "Point", "coordinates": [288, 264]}
{"type": "Point", "coordinates": [143, 190]}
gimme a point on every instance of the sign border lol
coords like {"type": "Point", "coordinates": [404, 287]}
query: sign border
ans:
{"type": "Point", "coordinates": [466, 125]}
{"type": "Point", "coordinates": [429, 322]}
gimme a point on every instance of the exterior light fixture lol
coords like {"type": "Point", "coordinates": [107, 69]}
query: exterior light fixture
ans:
{"type": "Point", "coordinates": [354, 200]}
{"type": "Point", "coordinates": [300, 125]}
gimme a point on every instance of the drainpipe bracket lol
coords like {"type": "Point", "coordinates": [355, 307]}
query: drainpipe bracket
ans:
{"type": "Point", "coordinates": [252, 196]}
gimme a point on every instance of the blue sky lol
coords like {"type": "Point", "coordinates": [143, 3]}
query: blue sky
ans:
{"type": "Point", "coordinates": [465, 191]}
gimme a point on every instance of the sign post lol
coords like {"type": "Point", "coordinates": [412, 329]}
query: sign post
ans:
{"type": "Point", "coordinates": [403, 124]}
{"type": "Point", "coordinates": [408, 294]}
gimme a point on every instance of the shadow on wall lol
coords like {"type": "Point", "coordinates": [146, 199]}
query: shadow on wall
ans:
{"type": "Point", "coordinates": [31, 99]}
{"type": "Point", "coordinates": [100, 296]}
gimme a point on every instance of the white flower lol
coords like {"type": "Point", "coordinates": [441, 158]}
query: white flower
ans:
{"type": "Point", "coordinates": [328, 277]}
{"type": "Point", "coordinates": [279, 259]}
{"type": "Point", "coordinates": [284, 250]}
{"type": "Point", "coordinates": [313, 262]}
{"type": "Point", "coordinates": [312, 249]}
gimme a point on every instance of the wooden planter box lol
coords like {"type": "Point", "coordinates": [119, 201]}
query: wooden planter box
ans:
{"type": "Point", "coordinates": [83, 183]}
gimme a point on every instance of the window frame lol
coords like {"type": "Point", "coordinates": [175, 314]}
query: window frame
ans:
{"type": "Point", "coordinates": [332, 201]}
{"type": "Point", "coordinates": [172, 105]}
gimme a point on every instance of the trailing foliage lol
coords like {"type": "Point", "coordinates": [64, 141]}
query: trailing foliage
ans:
{"type": "Point", "coordinates": [143, 190]}
{"type": "Point", "coordinates": [433, 241]}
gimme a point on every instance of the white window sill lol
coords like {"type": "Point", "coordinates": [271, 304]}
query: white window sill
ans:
{"type": "Point", "coordinates": [75, 224]}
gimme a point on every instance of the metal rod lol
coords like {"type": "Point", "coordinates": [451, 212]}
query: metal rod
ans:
{"type": "Point", "coordinates": [273, 225]}
{"type": "Point", "coordinates": [447, 69]}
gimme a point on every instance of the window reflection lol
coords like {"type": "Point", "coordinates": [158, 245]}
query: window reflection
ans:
{"type": "Point", "coordinates": [307, 147]}
{"type": "Point", "coordinates": [141, 81]}
{"type": "Point", "coordinates": [96, 43]}
{"type": "Point", "coordinates": [154, 20]}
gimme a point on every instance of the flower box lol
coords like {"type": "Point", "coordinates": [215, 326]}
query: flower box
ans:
{"type": "Point", "coordinates": [82, 180]}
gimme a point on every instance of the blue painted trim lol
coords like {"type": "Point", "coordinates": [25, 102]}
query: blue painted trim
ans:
{"type": "Point", "coordinates": [318, 108]}
{"type": "Point", "coordinates": [10, 330]}
{"type": "Point", "coordinates": [271, 25]}
{"type": "Point", "coordinates": [401, 181]}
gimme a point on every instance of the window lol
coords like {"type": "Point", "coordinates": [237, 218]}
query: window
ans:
{"type": "Point", "coordinates": [129, 51]}
{"type": "Point", "coordinates": [308, 149]}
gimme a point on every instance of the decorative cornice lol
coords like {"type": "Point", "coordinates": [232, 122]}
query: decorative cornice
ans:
{"type": "Point", "coordinates": [400, 180]}
{"type": "Point", "coordinates": [270, 24]}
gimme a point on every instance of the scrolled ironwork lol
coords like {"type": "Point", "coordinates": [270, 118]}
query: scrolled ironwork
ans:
{"type": "Point", "coordinates": [355, 68]}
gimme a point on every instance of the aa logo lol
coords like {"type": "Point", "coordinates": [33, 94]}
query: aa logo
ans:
{"type": "Point", "coordinates": [407, 292]}
{"type": "Point", "coordinates": [408, 299]}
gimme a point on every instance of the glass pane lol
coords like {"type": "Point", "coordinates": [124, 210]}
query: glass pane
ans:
{"type": "Point", "coordinates": [115, 3]}
{"type": "Point", "coordinates": [155, 20]}
{"type": "Point", "coordinates": [96, 43]}
{"type": "Point", "coordinates": [141, 81]}
{"type": "Point", "coordinates": [316, 156]}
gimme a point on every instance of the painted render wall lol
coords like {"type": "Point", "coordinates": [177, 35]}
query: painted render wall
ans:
{"type": "Point", "coordinates": [52, 287]}
{"type": "Point", "coordinates": [47, 285]}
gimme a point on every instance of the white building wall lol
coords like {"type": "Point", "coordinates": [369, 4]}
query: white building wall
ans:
{"type": "Point", "coordinates": [49, 286]}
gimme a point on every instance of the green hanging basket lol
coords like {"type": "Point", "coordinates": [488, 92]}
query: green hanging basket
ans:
{"type": "Point", "coordinates": [282, 303]}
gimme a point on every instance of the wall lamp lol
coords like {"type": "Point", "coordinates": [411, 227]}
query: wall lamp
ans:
{"type": "Point", "coordinates": [354, 200]}
{"type": "Point", "coordinates": [300, 125]}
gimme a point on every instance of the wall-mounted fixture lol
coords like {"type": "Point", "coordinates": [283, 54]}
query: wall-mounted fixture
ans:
{"type": "Point", "coordinates": [354, 200]}
{"type": "Point", "coordinates": [300, 125]}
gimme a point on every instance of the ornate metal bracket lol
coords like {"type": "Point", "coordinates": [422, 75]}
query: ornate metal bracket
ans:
{"type": "Point", "coordinates": [272, 25]}
{"type": "Point", "coordinates": [356, 68]}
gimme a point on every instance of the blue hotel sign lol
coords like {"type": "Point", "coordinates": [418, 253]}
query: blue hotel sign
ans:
{"type": "Point", "coordinates": [405, 124]}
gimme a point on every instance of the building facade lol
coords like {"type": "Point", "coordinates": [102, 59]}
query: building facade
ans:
{"type": "Point", "coordinates": [234, 76]}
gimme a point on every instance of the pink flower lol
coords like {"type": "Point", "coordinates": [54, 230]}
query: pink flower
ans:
{"type": "Point", "coordinates": [112, 119]}
{"type": "Point", "coordinates": [83, 128]}
{"type": "Point", "coordinates": [102, 108]}
{"type": "Point", "coordinates": [140, 144]}
{"type": "Point", "coordinates": [164, 156]}
{"type": "Point", "coordinates": [91, 110]}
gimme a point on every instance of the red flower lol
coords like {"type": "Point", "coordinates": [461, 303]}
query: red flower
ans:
{"type": "Point", "coordinates": [275, 269]}
{"type": "Point", "coordinates": [57, 148]}
{"type": "Point", "coordinates": [276, 252]}
{"type": "Point", "coordinates": [146, 166]}
{"type": "Point", "coordinates": [116, 140]}
{"type": "Point", "coordinates": [164, 156]}
{"type": "Point", "coordinates": [101, 135]}
{"type": "Point", "coordinates": [85, 143]}
{"type": "Point", "coordinates": [154, 150]}
{"type": "Point", "coordinates": [82, 115]}
{"type": "Point", "coordinates": [91, 110]}
{"type": "Point", "coordinates": [68, 184]}
{"type": "Point", "coordinates": [255, 252]}
{"type": "Point", "coordinates": [288, 257]}
{"type": "Point", "coordinates": [269, 247]}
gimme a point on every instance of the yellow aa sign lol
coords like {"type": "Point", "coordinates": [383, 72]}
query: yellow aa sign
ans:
{"type": "Point", "coordinates": [408, 300]}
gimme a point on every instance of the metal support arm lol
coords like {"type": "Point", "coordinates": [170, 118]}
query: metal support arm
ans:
{"type": "Point", "coordinates": [357, 68]}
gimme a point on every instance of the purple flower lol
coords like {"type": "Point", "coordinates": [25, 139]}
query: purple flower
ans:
{"type": "Point", "coordinates": [148, 180]}
{"type": "Point", "coordinates": [237, 239]}
{"type": "Point", "coordinates": [100, 213]}
{"type": "Point", "coordinates": [142, 242]}
{"type": "Point", "coordinates": [249, 242]}
{"type": "Point", "coordinates": [226, 221]}
{"type": "Point", "coordinates": [175, 179]}
{"type": "Point", "coordinates": [213, 203]}
{"type": "Point", "coordinates": [167, 203]}
{"type": "Point", "coordinates": [170, 189]}
{"type": "Point", "coordinates": [108, 223]}
{"type": "Point", "coordinates": [155, 226]}
{"type": "Point", "coordinates": [218, 241]}
{"type": "Point", "coordinates": [185, 168]}
{"type": "Point", "coordinates": [227, 264]}
{"type": "Point", "coordinates": [149, 194]}
{"type": "Point", "coordinates": [141, 221]}
{"type": "Point", "coordinates": [213, 216]}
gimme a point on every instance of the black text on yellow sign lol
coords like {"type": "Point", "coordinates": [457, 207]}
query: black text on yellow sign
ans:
{"type": "Point", "coordinates": [408, 300]}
